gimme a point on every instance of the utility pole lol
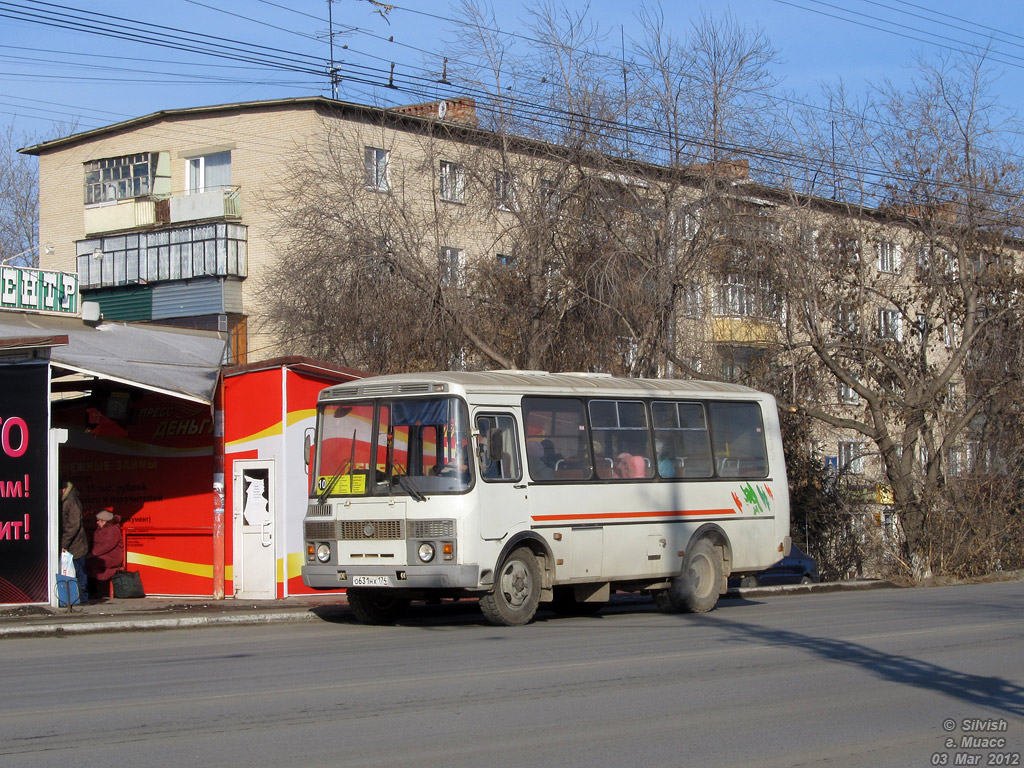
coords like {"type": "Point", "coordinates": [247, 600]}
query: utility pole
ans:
{"type": "Point", "coordinates": [333, 71]}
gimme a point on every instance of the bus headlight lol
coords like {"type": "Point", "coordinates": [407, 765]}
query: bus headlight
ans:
{"type": "Point", "coordinates": [426, 552]}
{"type": "Point", "coordinates": [323, 552]}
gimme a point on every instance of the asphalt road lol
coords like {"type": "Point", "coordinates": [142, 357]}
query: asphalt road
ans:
{"type": "Point", "coordinates": [879, 678]}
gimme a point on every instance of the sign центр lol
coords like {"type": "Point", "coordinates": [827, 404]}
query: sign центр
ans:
{"type": "Point", "coordinates": [38, 290]}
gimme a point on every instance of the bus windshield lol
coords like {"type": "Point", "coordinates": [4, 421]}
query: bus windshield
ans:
{"type": "Point", "coordinates": [408, 447]}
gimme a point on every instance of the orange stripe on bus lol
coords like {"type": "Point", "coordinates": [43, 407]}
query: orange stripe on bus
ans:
{"type": "Point", "coordinates": [622, 515]}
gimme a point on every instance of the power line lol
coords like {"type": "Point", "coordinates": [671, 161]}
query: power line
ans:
{"type": "Point", "coordinates": [542, 114]}
{"type": "Point", "coordinates": [978, 50]}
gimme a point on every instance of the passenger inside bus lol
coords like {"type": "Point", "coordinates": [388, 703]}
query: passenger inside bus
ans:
{"type": "Point", "coordinates": [666, 462]}
{"type": "Point", "coordinates": [494, 458]}
{"type": "Point", "coordinates": [628, 465]}
{"type": "Point", "coordinates": [535, 457]}
{"type": "Point", "coordinates": [550, 456]}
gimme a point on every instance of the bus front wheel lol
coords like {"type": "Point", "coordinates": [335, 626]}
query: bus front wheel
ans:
{"type": "Point", "coordinates": [695, 590]}
{"type": "Point", "coordinates": [516, 592]}
{"type": "Point", "coordinates": [376, 606]}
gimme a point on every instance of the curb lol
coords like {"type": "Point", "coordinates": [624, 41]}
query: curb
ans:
{"type": "Point", "coordinates": [148, 624]}
{"type": "Point", "coordinates": [58, 628]}
{"type": "Point", "coordinates": [803, 589]}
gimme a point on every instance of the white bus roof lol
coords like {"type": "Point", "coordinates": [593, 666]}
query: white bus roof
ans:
{"type": "Point", "coordinates": [532, 383]}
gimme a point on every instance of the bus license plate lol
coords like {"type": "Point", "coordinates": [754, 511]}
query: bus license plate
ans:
{"type": "Point", "coordinates": [370, 581]}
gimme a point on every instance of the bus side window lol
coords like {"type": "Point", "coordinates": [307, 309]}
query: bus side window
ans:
{"type": "Point", "coordinates": [620, 432]}
{"type": "Point", "coordinates": [681, 429]}
{"type": "Point", "coordinates": [556, 439]}
{"type": "Point", "coordinates": [498, 454]}
{"type": "Point", "coordinates": [737, 434]}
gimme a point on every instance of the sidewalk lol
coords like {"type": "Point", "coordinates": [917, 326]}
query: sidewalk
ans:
{"type": "Point", "coordinates": [155, 613]}
{"type": "Point", "coordinates": [159, 613]}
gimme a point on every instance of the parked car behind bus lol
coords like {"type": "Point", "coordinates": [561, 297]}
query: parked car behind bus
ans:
{"type": "Point", "coordinates": [798, 568]}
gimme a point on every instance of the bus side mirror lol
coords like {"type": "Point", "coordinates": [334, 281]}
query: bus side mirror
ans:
{"type": "Point", "coordinates": [307, 447]}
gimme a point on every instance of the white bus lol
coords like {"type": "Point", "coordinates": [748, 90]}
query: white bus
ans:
{"type": "Point", "coordinates": [527, 487]}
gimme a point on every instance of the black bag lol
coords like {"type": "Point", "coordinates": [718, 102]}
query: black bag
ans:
{"type": "Point", "coordinates": [127, 584]}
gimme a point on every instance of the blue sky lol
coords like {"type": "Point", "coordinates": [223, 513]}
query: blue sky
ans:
{"type": "Point", "coordinates": [54, 75]}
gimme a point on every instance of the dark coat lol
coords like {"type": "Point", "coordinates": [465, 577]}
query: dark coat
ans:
{"type": "Point", "coordinates": [72, 534]}
{"type": "Point", "coordinates": [107, 555]}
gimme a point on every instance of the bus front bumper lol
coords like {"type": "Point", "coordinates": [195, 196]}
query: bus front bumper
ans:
{"type": "Point", "coordinates": [400, 577]}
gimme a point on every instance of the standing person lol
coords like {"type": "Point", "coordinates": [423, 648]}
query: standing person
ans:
{"type": "Point", "coordinates": [73, 538]}
{"type": "Point", "coordinates": [107, 554]}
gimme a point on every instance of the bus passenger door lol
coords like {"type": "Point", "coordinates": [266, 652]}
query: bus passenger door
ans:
{"type": "Point", "coordinates": [501, 486]}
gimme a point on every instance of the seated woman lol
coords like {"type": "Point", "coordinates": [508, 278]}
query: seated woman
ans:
{"type": "Point", "coordinates": [107, 554]}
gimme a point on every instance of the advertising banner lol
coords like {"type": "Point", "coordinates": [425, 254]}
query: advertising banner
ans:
{"type": "Point", "coordinates": [24, 412]}
{"type": "Point", "coordinates": [149, 459]}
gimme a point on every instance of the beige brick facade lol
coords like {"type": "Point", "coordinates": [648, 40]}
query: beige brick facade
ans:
{"type": "Point", "coordinates": [264, 139]}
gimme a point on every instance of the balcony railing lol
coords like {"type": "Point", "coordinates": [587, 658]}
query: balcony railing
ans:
{"type": "Point", "coordinates": [223, 203]}
{"type": "Point", "coordinates": [220, 203]}
{"type": "Point", "coordinates": [173, 253]}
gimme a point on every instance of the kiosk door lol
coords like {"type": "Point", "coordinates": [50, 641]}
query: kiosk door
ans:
{"type": "Point", "coordinates": [255, 564]}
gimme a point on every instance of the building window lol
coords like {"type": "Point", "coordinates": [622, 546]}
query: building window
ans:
{"type": "Point", "coordinates": [692, 301]}
{"type": "Point", "coordinates": [950, 334]}
{"type": "Point", "coordinates": [744, 296]}
{"type": "Point", "coordinates": [848, 395]}
{"type": "Point", "coordinates": [924, 259]}
{"type": "Point", "coordinates": [453, 182]}
{"type": "Point", "coordinates": [207, 173]}
{"type": "Point", "coordinates": [377, 162]}
{"type": "Point", "coordinates": [119, 178]}
{"type": "Point", "coordinates": [890, 324]}
{"type": "Point", "coordinates": [846, 319]}
{"type": "Point", "coordinates": [851, 457]}
{"type": "Point", "coordinates": [847, 250]}
{"type": "Point", "coordinates": [952, 397]}
{"type": "Point", "coordinates": [504, 191]}
{"type": "Point", "coordinates": [888, 257]}
{"type": "Point", "coordinates": [735, 297]}
{"type": "Point", "coordinates": [450, 264]}
{"type": "Point", "coordinates": [957, 461]}
{"type": "Point", "coordinates": [505, 260]}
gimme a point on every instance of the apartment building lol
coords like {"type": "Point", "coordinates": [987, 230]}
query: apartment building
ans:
{"type": "Point", "coordinates": [176, 218]}
{"type": "Point", "coordinates": [169, 218]}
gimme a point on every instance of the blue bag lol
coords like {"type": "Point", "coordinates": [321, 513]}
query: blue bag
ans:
{"type": "Point", "coordinates": [67, 591]}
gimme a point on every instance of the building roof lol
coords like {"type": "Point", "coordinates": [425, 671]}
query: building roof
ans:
{"type": "Point", "coordinates": [174, 361]}
{"type": "Point", "coordinates": [301, 364]}
{"type": "Point", "coordinates": [410, 115]}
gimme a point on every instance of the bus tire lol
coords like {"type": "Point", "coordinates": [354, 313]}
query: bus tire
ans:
{"type": "Point", "coordinates": [695, 589]}
{"type": "Point", "coordinates": [376, 606]}
{"type": "Point", "coordinates": [516, 592]}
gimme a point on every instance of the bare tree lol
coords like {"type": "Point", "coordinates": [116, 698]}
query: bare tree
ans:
{"type": "Point", "coordinates": [896, 304]}
{"type": "Point", "coordinates": [19, 200]}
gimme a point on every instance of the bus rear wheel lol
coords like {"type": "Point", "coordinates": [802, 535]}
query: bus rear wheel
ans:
{"type": "Point", "coordinates": [695, 589]}
{"type": "Point", "coordinates": [376, 606]}
{"type": "Point", "coordinates": [516, 592]}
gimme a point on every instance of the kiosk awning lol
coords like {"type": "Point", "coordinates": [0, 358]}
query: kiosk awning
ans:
{"type": "Point", "coordinates": [175, 361]}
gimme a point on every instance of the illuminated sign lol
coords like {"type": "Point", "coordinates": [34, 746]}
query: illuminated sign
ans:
{"type": "Point", "coordinates": [27, 289]}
